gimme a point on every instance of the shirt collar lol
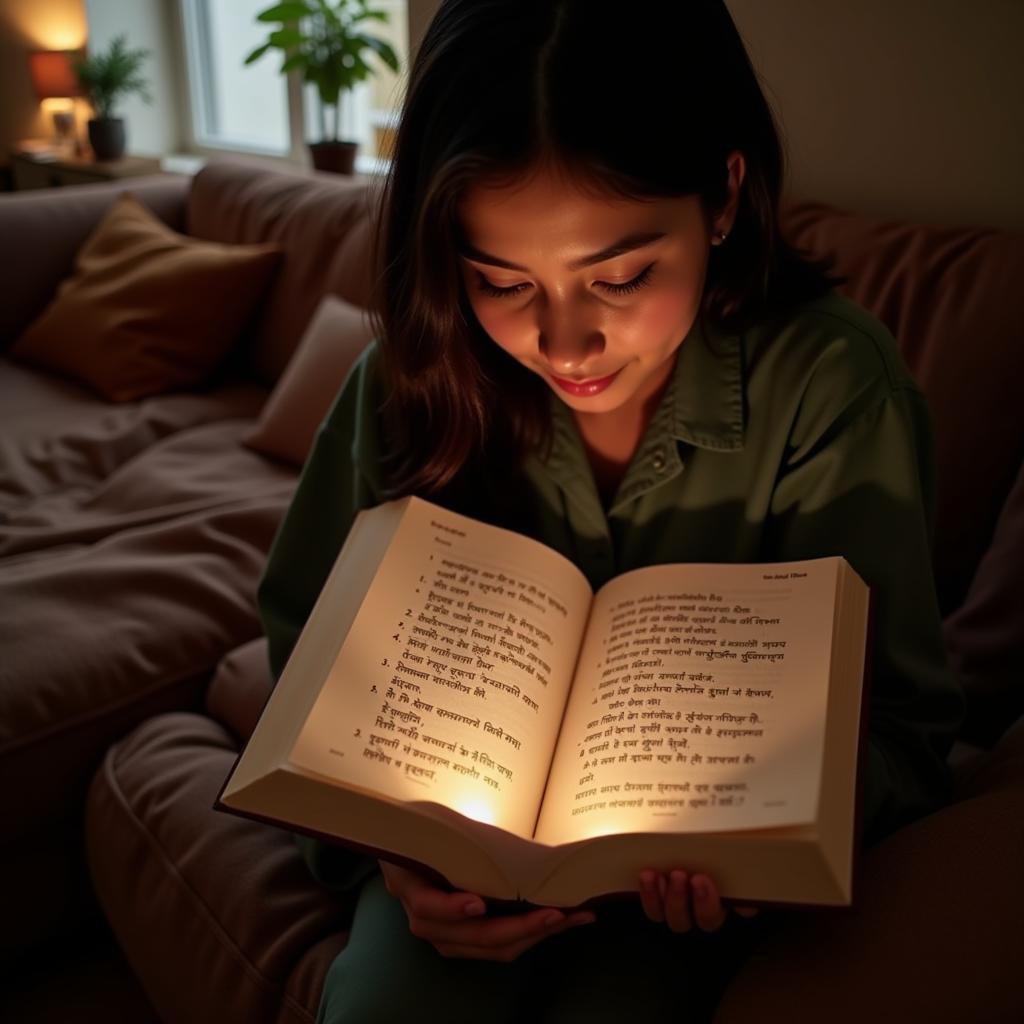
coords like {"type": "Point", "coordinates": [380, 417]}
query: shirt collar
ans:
{"type": "Point", "coordinates": [705, 392]}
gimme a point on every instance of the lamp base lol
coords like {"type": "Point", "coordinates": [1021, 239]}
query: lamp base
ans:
{"type": "Point", "coordinates": [67, 137]}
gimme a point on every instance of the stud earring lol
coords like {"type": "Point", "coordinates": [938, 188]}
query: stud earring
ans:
{"type": "Point", "coordinates": [720, 236]}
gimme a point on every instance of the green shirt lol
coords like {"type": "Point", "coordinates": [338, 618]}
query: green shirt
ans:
{"type": "Point", "coordinates": [799, 439]}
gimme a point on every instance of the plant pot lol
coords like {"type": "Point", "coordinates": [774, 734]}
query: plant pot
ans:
{"type": "Point", "coordinates": [106, 136]}
{"type": "Point", "coordinates": [337, 157]}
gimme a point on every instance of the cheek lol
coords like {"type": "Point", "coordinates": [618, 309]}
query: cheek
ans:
{"type": "Point", "coordinates": [666, 317]}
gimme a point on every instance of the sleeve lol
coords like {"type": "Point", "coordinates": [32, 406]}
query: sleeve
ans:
{"type": "Point", "coordinates": [860, 484]}
{"type": "Point", "coordinates": [332, 489]}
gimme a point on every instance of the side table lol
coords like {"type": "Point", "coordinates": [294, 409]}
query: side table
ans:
{"type": "Point", "coordinates": [28, 172]}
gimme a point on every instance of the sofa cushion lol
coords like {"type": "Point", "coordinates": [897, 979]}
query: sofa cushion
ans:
{"type": "Point", "coordinates": [935, 933]}
{"type": "Point", "coordinates": [215, 913]}
{"type": "Point", "coordinates": [59, 437]}
{"type": "Point", "coordinates": [985, 635]}
{"type": "Point", "coordinates": [321, 221]}
{"type": "Point", "coordinates": [240, 688]}
{"type": "Point", "coordinates": [147, 310]}
{"type": "Point", "coordinates": [952, 299]}
{"type": "Point", "coordinates": [121, 597]}
{"type": "Point", "coordinates": [334, 338]}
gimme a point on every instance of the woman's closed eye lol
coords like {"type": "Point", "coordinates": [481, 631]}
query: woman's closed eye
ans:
{"type": "Point", "coordinates": [615, 289]}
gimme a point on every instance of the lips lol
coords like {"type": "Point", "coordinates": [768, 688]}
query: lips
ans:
{"type": "Point", "coordinates": [586, 388]}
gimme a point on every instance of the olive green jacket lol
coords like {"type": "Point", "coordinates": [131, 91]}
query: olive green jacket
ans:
{"type": "Point", "coordinates": [799, 439]}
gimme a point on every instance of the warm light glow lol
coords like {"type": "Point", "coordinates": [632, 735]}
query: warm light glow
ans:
{"type": "Point", "coordinates": [55, 106]}
{"type": "Point", "coordinates": [477, 809]}
{"type": "Point", "coordinates": [55, 25]}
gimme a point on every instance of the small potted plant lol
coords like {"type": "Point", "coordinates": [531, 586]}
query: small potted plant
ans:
{"type": "Point", "coordinates": [105, 77]}
{"type": "Point", "coordinates": [321, 40]}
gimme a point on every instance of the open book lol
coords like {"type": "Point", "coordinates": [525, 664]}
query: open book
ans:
{"type": "Point", "coordinates": [460, 700]}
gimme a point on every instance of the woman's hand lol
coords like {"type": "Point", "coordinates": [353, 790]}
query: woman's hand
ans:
{"type": "Point", "coordinates": [442, 919]}
{"type": "Point", "coordinates": [682, 901]}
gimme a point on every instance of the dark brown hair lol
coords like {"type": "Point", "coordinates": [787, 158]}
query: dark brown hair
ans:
{"type": "Point", "coordinates": [639, 102]}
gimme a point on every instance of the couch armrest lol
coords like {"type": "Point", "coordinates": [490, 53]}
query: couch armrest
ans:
{"type": "Point", "coordinates": [240, 688]}
{"type": "Point", "coordinates": [935, 934]}
{"type": "Point", "coordinates": [41, 230]}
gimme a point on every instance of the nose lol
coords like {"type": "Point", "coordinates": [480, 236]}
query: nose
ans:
{"type": "Point", "coordinates": [570, 351]}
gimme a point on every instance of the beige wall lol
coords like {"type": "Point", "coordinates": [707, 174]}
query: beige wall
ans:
{"type": "Point", "coordinates": [31, 25]}
{"type": "Point", "coordinates": [908, 108]}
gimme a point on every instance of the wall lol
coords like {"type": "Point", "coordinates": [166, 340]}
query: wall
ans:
{"type": "Point", "coordinates": [908, 108]}
{"type": "Point", "coordinates": [912, 108]}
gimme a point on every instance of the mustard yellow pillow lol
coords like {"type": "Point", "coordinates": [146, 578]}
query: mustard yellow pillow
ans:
{"type": "Point", "coordinates": [147, 310]}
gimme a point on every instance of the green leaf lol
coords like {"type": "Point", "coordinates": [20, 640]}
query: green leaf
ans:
{"type": "Point", "coordinates": [257, 53]}
{"type": "Point", "coordinates": [105, 76]}
{"type": "Point", "coordinates": [292, 10]}
{"type": "Point", "coordinates": [286, 37]}
{"type": "Point", "coordinates": [382, 49]}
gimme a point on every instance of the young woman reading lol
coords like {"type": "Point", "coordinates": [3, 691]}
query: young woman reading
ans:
{"type": "Point", "coordinates": [590, 331]}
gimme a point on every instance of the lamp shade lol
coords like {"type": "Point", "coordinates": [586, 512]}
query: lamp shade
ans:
{"type": "Point", "coordinates": [52, 74]}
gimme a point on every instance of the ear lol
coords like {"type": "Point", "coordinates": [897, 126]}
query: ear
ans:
{"type": "Point", "coordinates": [737, 165]}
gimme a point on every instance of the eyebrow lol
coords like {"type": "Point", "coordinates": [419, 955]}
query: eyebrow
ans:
{"type": "Point", "coordinates": [637, 240]}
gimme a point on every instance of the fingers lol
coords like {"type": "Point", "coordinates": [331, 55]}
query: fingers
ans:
{"type": "Point", "coordinates": [650, 895]}
{"type": "Point", "coordinates": [683, 901]}
{"type": "Point", "coordinates": [441, 918]}
{"type": "Point", "coordinates": [707, 905]}
{"type": "Point", "coordinates": [677, 902]}
{"type": "Point", "coordinates": [424, 900]}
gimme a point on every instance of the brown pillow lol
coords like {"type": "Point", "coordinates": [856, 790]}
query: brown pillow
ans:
{"type": "Point", "coordinates": [147, 310]}
{"type": "Point", "coordinates": [336, 335]}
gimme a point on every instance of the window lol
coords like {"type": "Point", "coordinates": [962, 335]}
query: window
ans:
{"type": "Point", "coordinates": [234, 106]}
{"type": "Point", "coordinates": [256, 109]}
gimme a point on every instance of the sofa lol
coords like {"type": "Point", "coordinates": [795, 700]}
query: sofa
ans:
{"type": "Point", "coordinates": [133, 535]}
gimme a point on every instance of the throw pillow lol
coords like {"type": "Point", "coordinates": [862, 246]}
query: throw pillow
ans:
{"type": "Point", "coordinates": [337, 333]}
{"type": "Point", "coordinates": [147, 310]}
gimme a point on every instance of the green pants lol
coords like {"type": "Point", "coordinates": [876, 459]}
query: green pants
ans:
{"type": "Point", "coordinates": [621, 968]}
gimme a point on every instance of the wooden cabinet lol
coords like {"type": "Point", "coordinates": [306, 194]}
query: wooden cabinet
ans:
{"type": "Point", "coordinates": [28, 173]}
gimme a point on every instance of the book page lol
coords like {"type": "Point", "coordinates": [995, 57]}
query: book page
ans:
{"type": "Point", "coordinates": [699, 702]}
{"type": "Point", "coordinates": [452, 682]}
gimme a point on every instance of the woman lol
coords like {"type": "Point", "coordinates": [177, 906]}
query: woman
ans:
{"type": "Point", "coordinates": [590, 331]}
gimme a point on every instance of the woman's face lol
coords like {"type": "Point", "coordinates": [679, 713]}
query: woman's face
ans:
{"type": "Point", "coordinates": [594, 295]}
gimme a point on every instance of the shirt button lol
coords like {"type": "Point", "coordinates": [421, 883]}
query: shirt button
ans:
{"type": "Point", "coordinates": [658, 461]}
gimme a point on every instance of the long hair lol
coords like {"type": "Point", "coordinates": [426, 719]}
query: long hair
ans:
{"type": "Point", "coordinates": [636, 102]}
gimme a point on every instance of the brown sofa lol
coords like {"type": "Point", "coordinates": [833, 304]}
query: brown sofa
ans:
{"type": "Point", "coordinates": [133, 656]}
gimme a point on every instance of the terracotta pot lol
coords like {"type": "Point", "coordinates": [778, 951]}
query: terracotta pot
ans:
{"type": "Point", "coordinates": [106, 136]}
{"type": "Point", "coordinates": [337, 157]}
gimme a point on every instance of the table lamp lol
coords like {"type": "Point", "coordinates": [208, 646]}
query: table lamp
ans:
{"type": "Point", "coordinates": [53, 78]}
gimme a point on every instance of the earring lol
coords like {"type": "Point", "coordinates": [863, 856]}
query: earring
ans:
{"type": "Point", "coordinates": [721, 236]}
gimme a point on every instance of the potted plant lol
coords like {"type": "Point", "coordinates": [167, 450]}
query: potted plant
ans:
{"type": "Point", "coordinates": [321, 40]}
{"type": "Point", "coordinates": [105, 77]}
